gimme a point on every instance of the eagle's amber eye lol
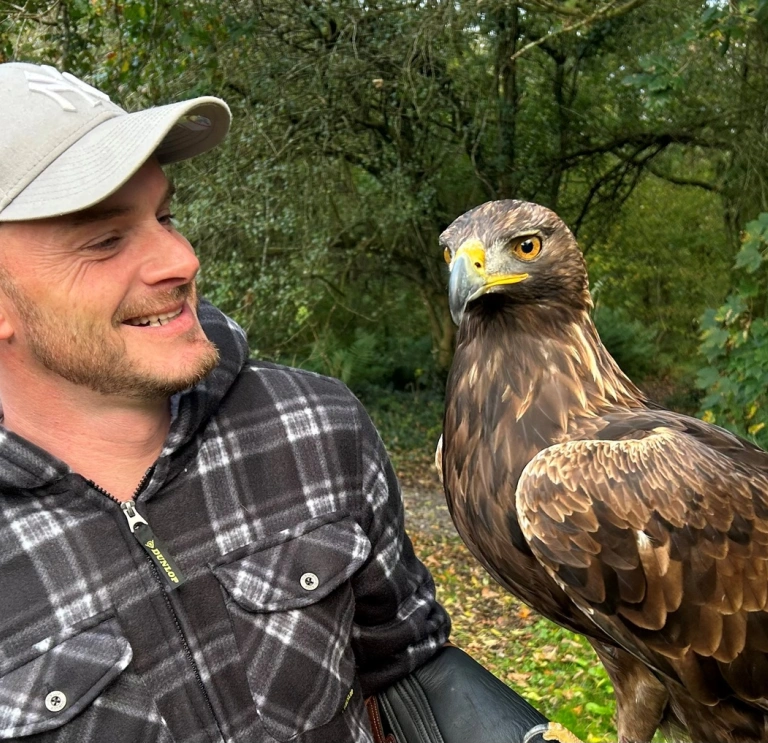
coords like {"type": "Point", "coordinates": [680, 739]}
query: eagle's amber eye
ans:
{"type": "Point", "coordinates": [447, 255]}
{"type": "Point", "coordinates": [528, 248]}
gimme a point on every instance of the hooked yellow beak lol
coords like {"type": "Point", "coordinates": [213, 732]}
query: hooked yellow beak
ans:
{"type": "Point", "coordinates": [469, 280]}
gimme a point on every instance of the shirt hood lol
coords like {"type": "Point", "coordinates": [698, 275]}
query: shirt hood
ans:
{"type": "Point", "coordinates": [25, 466]}
{"type": "Point", "coordinates": [192, 408]}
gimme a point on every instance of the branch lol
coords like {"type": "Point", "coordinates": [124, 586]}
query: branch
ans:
{"type": "Point", "coordinates": [643, 140]}
{"type": "Point", "coordinates": [339, 295]}
{"type": "Point", "coordinates": [605, 13]}
{"type": "Point", "coordinates": [646, 163]}
{"type": "Point", "coordinates": [676, 180]}
{"type": "Point", "coordinates": [552, 8]}
{"type": "Point", "coordinates": [635, 162]}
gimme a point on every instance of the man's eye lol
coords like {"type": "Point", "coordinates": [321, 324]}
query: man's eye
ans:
{"type": "Point", "coordinates": [109, 243]}
{"type": "Point", "coordinates": [167, 220]}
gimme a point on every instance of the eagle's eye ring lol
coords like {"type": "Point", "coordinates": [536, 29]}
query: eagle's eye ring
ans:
{"type": "Point", "coordinates": [528, 248]}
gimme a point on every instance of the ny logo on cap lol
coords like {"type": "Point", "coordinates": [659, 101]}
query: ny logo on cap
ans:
{"type": "Point", "coordinates": [54, 83]}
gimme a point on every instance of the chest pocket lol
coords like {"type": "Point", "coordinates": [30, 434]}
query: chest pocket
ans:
{"type": "Point", "coordinates": [291, 605]}
{"type": "Point", "coordinates": [69, 685]}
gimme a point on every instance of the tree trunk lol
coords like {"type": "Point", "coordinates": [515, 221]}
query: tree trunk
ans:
{"type": "Point", "coordinates": [506, 89]}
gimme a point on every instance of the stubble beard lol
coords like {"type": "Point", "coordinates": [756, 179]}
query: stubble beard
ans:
{"type": "Point", "coordinates": [83, 354]}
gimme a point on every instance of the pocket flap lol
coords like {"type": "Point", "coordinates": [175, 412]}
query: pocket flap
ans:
{"type": "Point", "coordinates": [59, 677]}
{"type": "Point", "coordinates": [296, 567]}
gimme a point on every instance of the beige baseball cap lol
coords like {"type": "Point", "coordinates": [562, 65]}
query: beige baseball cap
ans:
{"type": "Point", "coordinates": [65, 146]}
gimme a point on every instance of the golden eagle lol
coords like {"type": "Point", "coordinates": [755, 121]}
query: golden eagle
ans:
{"type": "Point", "coordinates": [643, 529]}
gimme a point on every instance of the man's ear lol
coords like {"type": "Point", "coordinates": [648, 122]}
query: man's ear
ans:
{"type": "Point", "coordinates": [6, 323]}
{"type": "Point", "coordinates": [8, 314]}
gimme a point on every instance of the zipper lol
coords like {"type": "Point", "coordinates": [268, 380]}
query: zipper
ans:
{"type": "Point", "coordinates": [140, 529]}
{"type": "Point", "coordinates": [167, 569]}
{"type": "Point", "coordinates": [171, 574]}
{"type": "Point", "coordinates": [185, 644]}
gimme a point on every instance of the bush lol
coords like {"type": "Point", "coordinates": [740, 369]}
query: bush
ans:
{"type": "Point", "coordinates": [369, 358]}
{"type": "Point", "coordinates": [735, 344]}
{"type": "Point", "coordinates": [630, 343]}
{"type": "Point", "coordinates": [410, 424]}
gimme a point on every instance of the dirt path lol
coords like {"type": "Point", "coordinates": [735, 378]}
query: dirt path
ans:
{"type": "Point", "coordinates": [427, 512]}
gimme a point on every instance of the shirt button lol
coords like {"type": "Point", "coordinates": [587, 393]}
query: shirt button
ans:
{"type": "Point", "coordinates": [309, 581]}
{"type": "Point", "coordinates": [56, 701]}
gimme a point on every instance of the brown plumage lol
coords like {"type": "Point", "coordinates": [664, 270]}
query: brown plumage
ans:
{"type": "Point", "coordinates": [643, 529]}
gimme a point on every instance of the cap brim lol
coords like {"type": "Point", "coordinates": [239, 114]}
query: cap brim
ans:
{"type": "Point", "coordinates": [100, 162]}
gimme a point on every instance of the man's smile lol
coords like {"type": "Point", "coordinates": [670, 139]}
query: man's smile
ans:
{"type": "Point", "coordinates": [155, 320]}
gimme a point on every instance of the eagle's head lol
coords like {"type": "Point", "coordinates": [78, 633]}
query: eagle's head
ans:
{"type": "Point", "coordinates": [513, 253]}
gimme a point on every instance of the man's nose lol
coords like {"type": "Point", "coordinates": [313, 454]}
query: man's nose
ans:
{"type": "Point", "coordinates": [168, 257]}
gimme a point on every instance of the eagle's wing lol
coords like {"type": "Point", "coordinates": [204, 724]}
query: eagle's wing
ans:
{"type": "Point", "coordinates": [663, 540]}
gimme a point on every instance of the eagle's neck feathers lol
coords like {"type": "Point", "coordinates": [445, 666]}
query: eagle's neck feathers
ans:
{"type": "Point", "coordinates": [524, 379]}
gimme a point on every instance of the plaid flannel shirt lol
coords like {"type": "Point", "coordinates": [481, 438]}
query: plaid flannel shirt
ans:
{"type": "Point", "coordinates": [274, 497]}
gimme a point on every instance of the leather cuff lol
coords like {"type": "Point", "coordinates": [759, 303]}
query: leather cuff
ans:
{"type": "Point", "coordinates": [453, 699]}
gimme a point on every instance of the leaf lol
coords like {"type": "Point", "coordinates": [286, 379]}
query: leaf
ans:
{"type": "Point", "coordinates": [711, 15]}
{"type": "Point", "coordinates": [761, 14]}
{"type": "Point", "coordinates": [750, 256]}
{"type": "Point", "coordinates": [707, 377]}
{"type": "Point", "coordinates": [717, 337]}
{"type": "Point", "coordinates": [638, 80]}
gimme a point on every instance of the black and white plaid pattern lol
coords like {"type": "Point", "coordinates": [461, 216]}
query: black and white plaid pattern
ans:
{"type": "Point", "coordinates": [275, 497]}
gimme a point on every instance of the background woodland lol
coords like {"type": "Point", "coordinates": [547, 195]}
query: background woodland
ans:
{"type": "Point", "coordinates": [363, 128]}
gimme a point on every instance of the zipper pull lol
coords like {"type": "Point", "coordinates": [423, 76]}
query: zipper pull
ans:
{"type": "Point", "coordinates": [141, 530]}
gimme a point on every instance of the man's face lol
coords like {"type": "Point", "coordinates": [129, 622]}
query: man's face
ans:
{"type": "Point", "coordinates": [105, 298]}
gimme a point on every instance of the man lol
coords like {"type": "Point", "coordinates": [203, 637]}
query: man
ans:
{"type": "Point", "coordinates": [193, 546]}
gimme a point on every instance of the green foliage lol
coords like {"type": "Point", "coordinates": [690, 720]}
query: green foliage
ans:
{"type": "Point", "coordinates": [410, 424]}
{"type": "Point", "coordinates": [360, 131]}
{"type": "Point", "coordinates": [631, 343]}
{"type": "Point", "coordinates": [735, 344]}
{"type": "Point", "coordinates": [370, 359]}
{"type": "Point", "coordinates": [662, 265]}
{"type": "Point", "coordinates": [353, 363]}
